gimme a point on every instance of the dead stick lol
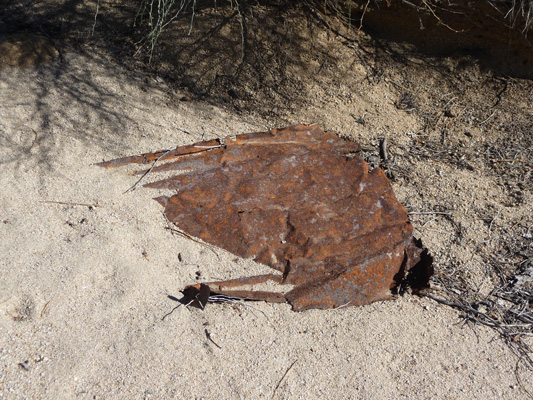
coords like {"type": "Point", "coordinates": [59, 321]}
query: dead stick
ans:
{"type": "Point", "coordinates": [468, 308]}
{"type": "Point", "coordinates": [283, 377]}
{"type": "Point", "coordinates": [363, 16]}
{"type": "Point", "coordinates": [67, 203]}
{"type": "Point", "coordinates": [171, 311]}
{"type": "Point", "coordinates": [440, 20]}
{"type": "Point", "coordinates": [208, 335]}
{"type": "Point", "coordinates": [45, 307]}
{"type": "Point", "coordinates": [442, 301]}
{"type": "Point", "coordinates": [148, 171]}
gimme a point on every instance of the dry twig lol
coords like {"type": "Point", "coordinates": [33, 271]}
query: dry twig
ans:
{"type": "Point", "coordinates": [68, 203]}
{"type": "Point", "coordinates": [208, 335]}
{"type": "Point", "coordinates": [282, 378]}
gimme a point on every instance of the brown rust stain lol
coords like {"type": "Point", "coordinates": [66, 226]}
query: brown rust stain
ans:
{"type": "Point", "coordinates": [301, 201]}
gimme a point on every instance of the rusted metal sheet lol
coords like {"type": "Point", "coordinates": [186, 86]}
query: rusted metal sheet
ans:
{"type": "Point", "coordinates": [301, 201]}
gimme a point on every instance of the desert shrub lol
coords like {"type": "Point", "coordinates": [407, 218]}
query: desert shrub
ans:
{"type": "Point", "coordinates": [156, 15]}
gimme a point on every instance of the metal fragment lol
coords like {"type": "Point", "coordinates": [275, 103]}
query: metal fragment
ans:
{"type": "Point", "coordinates": [301, 201]}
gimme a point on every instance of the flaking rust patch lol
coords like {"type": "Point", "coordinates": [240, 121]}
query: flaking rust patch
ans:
{"type": "Point", "coordinates": [301, 201]}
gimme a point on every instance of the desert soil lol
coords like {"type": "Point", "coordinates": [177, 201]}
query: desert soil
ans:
{"type": "Point", "coordinates": [87, 269]}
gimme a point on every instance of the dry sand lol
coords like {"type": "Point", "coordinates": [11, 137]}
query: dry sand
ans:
{"type": "Point", "coordinates": [84, 285]}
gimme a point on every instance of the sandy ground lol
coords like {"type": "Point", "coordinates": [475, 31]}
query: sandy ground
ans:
{"type": "Point", "coordinates": [84, 285]}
